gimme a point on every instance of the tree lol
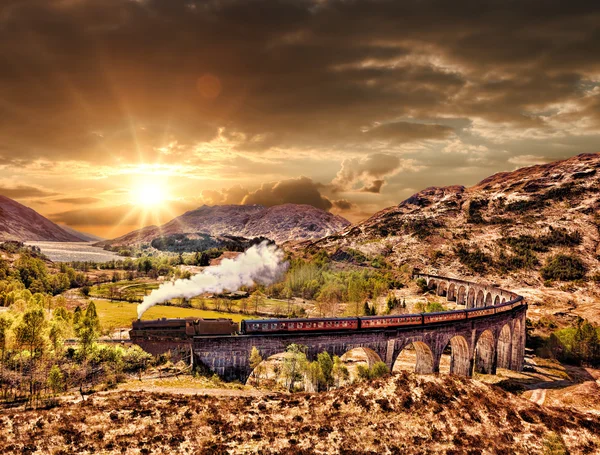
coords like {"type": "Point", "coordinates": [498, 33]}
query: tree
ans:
{"type": "Point", "coordinates": [586, 345]}
{"type": "Point", "coordinates": [89, 329]}
{"type": "Point", "coordinates": [56, 379]}
{"type": "Point", "coordinates": [294, 364]}
{"type": "Point", "coordinates": [258, 298]}
{"type": "Point", "coordinates": [136, 360]}
{"type": "Point", "coordinates": [313, 377]}
{"type": "Point", "coordinates": [331, 293]}
{"type": "Point", "coordinates": [326, 366]}
{"type": "Point", "coordinates": [256, 363]}
{"type": "Point", "coordinates": [5, 324]}
{"type": "Point", "coordinates": [357, 294]}
{"type": "Point", "coordinates": [339, 371]}
{"type": "Point", "coordinates": [77, 317]}
{"type": "Point", "coordinates": [30, 332]}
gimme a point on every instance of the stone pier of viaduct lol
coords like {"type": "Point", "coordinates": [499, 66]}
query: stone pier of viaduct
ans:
{"type": "Point", "coordinates": [481, 344]}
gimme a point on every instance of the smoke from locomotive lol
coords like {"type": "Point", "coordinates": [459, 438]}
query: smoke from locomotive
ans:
{"type": "Point", "coordinates": [261, 264]}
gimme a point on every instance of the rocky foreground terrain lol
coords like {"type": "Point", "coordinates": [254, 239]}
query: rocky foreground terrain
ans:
{"type": "Point", "coordinates": [502, 230]}
{"type": "Point", "coordinates": [21, 223]}
{"type": "Point", "coordinates": [278, 223]}
{"type": "Point", "coordinates": [401, 414]}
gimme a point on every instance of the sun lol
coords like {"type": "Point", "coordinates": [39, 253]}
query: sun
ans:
{"type": "Point", "coordinates": [149, 195]}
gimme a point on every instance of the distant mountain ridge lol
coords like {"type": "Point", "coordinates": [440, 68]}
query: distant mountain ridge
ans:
{"type": "Point", "coordinates": [279, 223]}
{"type": "Point", "coordinates": [84, 236]}
{"type": "Point", "coordinates": [18, 222]}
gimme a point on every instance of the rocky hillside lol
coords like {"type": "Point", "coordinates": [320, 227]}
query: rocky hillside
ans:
{"type": "Point", "coordinates": [21, 223]}
{"type": "Point", "coordinates": [279, 223]}
{"type": "Point", "coordinates": [402, 414]}
{"type": "Point", "coordinates": [535, 229]}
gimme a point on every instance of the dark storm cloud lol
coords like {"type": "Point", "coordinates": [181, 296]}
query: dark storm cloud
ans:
{"type": "Point", "coordinates": [106, 81]}
{"type": "Point", "coordinates": [25, 192]}
{"type": "Point", "coordinates": [295, 191]}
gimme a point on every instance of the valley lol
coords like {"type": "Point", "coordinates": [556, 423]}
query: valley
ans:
{"type": "Point", "coordinates": [88, 296]}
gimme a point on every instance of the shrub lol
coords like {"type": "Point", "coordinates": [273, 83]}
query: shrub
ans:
{"type": "Point", "coordinates": [474, 213]}
{"type": "Point", "coordinates": [362, 372]}
{"type": "Point", "coordinates": [563, 267]}
{"type": "Point", "coordinates": [422, 283]}
{"type": "Point", "coordinates": [379, 370]}
{"type": "Point", "coordinates": [476, 260]}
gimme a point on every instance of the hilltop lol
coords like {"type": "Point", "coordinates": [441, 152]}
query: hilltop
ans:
{"type": "Point", "coordinates": [403, 413]}
{"type": "Point", "coordinates": [278, 223]}
{"type": "Point", "coordinates": [505, 230]}
{"type": "Point", "coordinates": [21, 223]}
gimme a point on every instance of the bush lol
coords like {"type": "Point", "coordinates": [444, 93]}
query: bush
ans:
{"type": "Point", "coordinates": [576, 345]}
{"type": "Point", "coordinates": [563, 267]}
{"type": "Point", "coordinates": [475, 260]}
{"type": "Point", "coordinates": [474, 214]}
{"type": "Point", "coordinates": [362, 372]}
{"type": "Point", "coordinates": [379, 370]}
{"type": "Point", "coordinates": [422, 283]}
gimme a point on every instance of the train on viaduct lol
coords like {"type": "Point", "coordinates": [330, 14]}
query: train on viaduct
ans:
{"type": "Point", "coordinates": [486, 334]}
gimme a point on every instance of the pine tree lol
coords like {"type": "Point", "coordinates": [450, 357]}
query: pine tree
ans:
{"type": "Point", "coordinates": [89, 329]}
{"type": "Point", "coordinates": [326, 366]}
{"type": "Point", "coordinates": [5, 325]}
{"type": "Point", "coordinates": [56, 379]}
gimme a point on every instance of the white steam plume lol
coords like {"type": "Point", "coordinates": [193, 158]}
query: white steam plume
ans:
{"type": "Point", "coordinates": [261, 263]}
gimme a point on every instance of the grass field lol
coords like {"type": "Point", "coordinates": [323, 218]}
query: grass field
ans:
{"type": "Point", "coordinates": [121, 314]}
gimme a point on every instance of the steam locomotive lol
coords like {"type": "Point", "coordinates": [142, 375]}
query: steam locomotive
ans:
{"type": "Point", "coordinates": [181, 329]}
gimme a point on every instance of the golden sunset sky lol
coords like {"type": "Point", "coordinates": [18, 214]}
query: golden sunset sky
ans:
{"type": "Point", "coordinates": [120, 113]}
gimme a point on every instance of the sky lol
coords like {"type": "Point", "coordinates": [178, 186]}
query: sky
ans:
{"type": "Point", "coordinates": [123, 113]}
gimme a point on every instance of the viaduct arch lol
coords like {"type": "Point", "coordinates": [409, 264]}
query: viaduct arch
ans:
{"type": "Point", "coordinates": [481, 343]}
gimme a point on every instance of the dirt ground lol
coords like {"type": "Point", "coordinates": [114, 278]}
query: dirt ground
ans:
{"type": "Point", "coordinates": [401, 414]}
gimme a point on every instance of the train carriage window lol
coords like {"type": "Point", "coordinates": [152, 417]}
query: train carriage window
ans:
{"type": "Point", "coordinates": [291, 325]}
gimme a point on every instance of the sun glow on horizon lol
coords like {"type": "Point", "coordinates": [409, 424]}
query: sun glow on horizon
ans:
{"type": "Point", "coordinates": [149, 195]}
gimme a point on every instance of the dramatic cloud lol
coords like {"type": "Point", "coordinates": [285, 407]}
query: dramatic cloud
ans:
{"type": "Point", "coordinates": [99, 80]}
{"type": "Point", "coordinates": [343, 204]}
{"type": "Point", "coordinates": [25, 192]}
{"type": "Point", "coordinates": [78, 200]}
{"type": "Point", "coordinates": [373, 96]}
{"type": "Point", "coordinates": [401, 132]}
{"type": "Point", "coordinates": [233, 195]}
{"type": "Point", "coordinates": [369, 171]}
{"type": "Point", "coordinates": [296, 191]}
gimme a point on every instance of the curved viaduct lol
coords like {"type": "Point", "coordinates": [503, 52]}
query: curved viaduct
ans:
{"type": "Point", "coordinates": [473, 295]}
{"type": "Point", "coordinates": [481, 344]}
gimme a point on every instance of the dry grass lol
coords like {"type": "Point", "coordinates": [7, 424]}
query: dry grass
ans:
{"type": "Point", "coordinates": [404, 413]}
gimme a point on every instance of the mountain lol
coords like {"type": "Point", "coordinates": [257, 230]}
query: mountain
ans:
{"type": "Point", "coordinates": [509, 229]}
{"type": "Point", "coordinates": [279, 223]}
{"type": "Point", "coordinates": [21, 223]}
{"type": "Point", "coordinates": [84, 236]}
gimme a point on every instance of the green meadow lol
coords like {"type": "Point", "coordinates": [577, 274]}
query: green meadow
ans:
{"type": "Point", "coordinates": [122, 314]}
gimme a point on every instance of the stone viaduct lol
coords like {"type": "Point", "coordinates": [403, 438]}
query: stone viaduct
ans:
{"type": "Point", "coordinates": [481, 344]}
